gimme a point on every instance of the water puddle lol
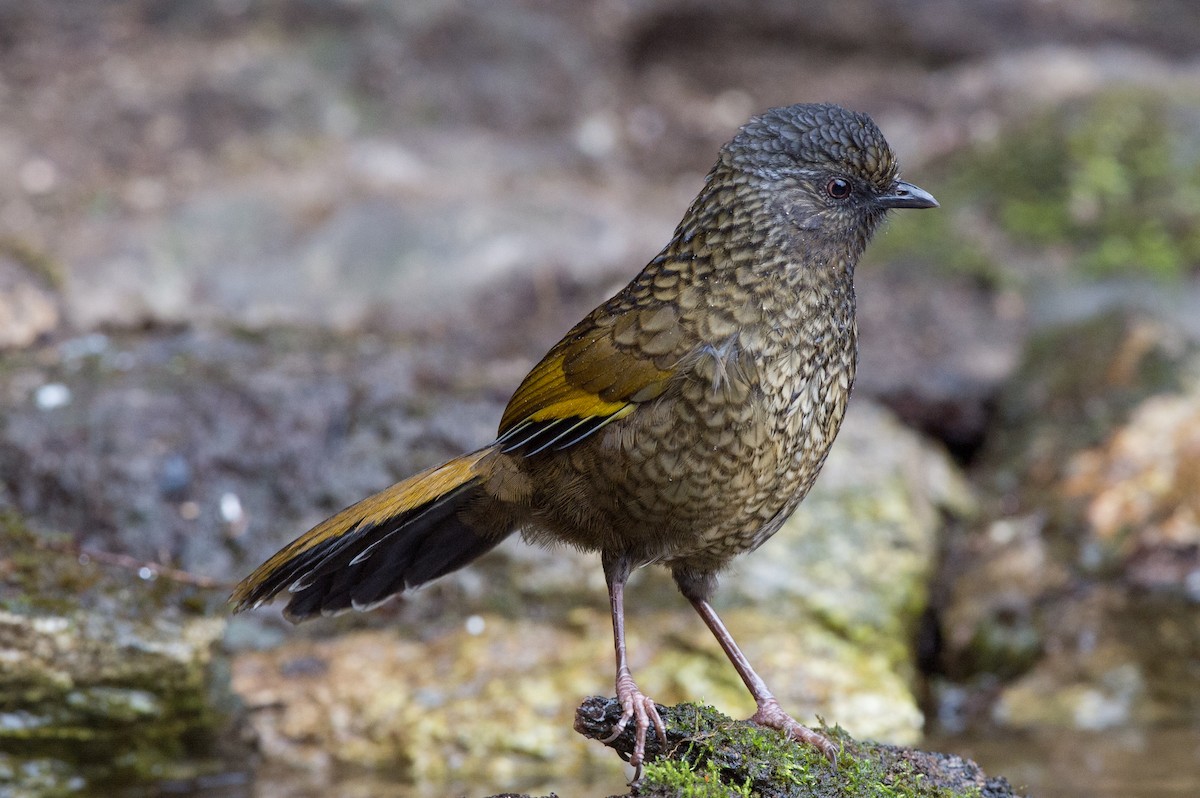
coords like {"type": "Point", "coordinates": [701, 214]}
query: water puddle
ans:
{"type": "Point", "coordinates": [1161, 763]}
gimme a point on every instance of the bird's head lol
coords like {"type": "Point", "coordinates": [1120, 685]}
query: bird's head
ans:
{"type": "Point", "coordinates": [821, 168]}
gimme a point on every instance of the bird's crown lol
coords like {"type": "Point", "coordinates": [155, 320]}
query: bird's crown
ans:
{"type": "Point", "coordinates": [814, 135]}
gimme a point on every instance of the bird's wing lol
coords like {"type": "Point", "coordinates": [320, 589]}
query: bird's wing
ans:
{"type": "Point", "coordinates": [614, 360]}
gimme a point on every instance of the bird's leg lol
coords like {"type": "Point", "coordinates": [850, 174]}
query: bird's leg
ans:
{"type": "Point", "coordinates": [635, 705]}
{"type": "Point", "coordinates": [769, 713]}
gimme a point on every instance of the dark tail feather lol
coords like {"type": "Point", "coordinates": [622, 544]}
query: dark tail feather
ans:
{"type": "Point", "coordinates": [391, 559]}
{"type": "Point", "coordinates": [401, 538]}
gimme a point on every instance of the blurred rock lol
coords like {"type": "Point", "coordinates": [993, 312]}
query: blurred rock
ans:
{"type": "Point", "coordinates": [1140, 490]}
{"type": "Point", "coordinates": [936, 348]}
{"type": "Point", "coordinates": [495, 707]}
{"type": "Point", "coordinates": [1076, 384]}
{"type": "Point", "coordinates": [990, 623]}
{"type": "Point", "coordinates": [1068, 607]}
{"type": "Point", "coordinates": [1112, 660]}
{"type": "Point", "coordinates": [89, 699]}
{"type": "Point", "coordinates": [28, 308]}
{"type": "Point", "coordinates": [257, 258]}
{"type": "Point", "coordinates": [140, 460]}
{"type": "Point", "coordinates": [456, 710]}
{"type": "Point", "coordinates": [105, 682]}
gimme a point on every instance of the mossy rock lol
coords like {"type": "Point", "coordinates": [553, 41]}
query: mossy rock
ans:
{"type": "Point", "coordinates": [709, 755]}
{"type": "Point", "coordinates": [1116, 177]}
{"type": "Point", "coordinates": [1104, 185]}
{"type": "Point", "coordinates": [101, 686]}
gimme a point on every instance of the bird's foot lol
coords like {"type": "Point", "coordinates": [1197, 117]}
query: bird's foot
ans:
{"type": "Point", "coordinates": [771, 715]}
{"type": "Point", "coordinates": [638, 707]}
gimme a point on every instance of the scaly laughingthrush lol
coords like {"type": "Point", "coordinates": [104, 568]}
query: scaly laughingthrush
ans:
{"type": "Point", "coordinates": [680, 423]}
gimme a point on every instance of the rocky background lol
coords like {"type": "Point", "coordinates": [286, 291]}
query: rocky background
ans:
{"type": "Point", "coordinates": [260, 258]}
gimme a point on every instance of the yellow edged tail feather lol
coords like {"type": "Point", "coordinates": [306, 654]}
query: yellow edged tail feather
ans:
{"type": "Point", "coordinates": [399, 538]}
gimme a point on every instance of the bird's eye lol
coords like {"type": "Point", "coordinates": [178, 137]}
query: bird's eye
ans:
{"type": "Point", "coordinates": [838, 188]}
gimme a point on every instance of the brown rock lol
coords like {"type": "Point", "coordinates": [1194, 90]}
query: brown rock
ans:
{"type": "Point", "coordinates": [28, 309]}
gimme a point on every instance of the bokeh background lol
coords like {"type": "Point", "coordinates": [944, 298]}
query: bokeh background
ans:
{"type": "Point", "coordinates": [260, 258]}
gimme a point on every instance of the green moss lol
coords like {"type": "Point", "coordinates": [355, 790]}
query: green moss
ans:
{"type": "Point", "coordinates": [33, 576]}
{"type": "Point", "coordinates": [43, 572]}
{"type": "Point", "coordinates": [1116, 178]}
{"type": "Point", "coordinates": [1108, 184]}
{"type": "Point", "coordinates": [724, 758]}
{"type": "Point", "coordinates": [38, 778]}
{"type": "Point", "coordinates": [686, 781]}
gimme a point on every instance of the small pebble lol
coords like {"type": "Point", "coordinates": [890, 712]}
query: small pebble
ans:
{"type": "Point", "coordinates": [52, 395]}
{"type": "Point", "coordinates": [174, 476]}
{"type": "Point", "coordinates": [231, 508]}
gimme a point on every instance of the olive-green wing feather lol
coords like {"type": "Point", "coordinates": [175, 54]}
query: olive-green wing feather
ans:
{"type": "Point", "coordinates": [612, 361]}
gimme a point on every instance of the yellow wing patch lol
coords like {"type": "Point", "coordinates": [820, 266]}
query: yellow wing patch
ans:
{"type": "Point", "coordinates": [546, 395]}
{"type": "Point", "coordinates": [581, 385]}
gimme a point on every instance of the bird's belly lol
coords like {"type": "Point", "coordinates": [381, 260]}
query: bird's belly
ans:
{"type": "Point", "coordinates": [702, 477]}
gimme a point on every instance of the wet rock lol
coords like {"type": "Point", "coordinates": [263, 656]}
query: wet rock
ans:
{"type": "Point", "coordinates": [99, 688]}
{"type": "Point", "coordinates": [88, 699]}
{"type": "Point", "coordinates": [990, 622]}
{"type": "Point", "coordinates": [1066, 607]}
{"type": "Point", "coordinates": [205, 449]}
{"type": "Point", "coordinates": [1113, 660]}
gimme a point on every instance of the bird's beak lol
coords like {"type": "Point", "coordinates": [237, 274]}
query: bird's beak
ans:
{"type": "Point", "coordinates": [906, 195]}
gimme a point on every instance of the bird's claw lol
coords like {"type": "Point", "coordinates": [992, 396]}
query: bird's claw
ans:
{"type": "Point", "coordinates": [636, 706]}
{"type": "Point", "coordinates": [771, 715]}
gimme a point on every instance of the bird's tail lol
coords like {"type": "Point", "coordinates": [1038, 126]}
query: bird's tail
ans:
{"type": "Point", "coordinates": [402, 537]}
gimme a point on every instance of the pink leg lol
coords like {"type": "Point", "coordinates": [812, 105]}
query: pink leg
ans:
{"type": "Point", "coordinates": [635, 705]}
{"type": "Point", "coordinates": [769, 713]}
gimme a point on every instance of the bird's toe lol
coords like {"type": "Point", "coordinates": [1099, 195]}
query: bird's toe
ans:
{"type": "Point", "coordinates": [771, 715]}
{"type": "Point", "coordinates": [636, 706]}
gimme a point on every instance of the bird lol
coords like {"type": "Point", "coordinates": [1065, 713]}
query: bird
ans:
{"type": "Point", "coordinates": [679, 424]}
